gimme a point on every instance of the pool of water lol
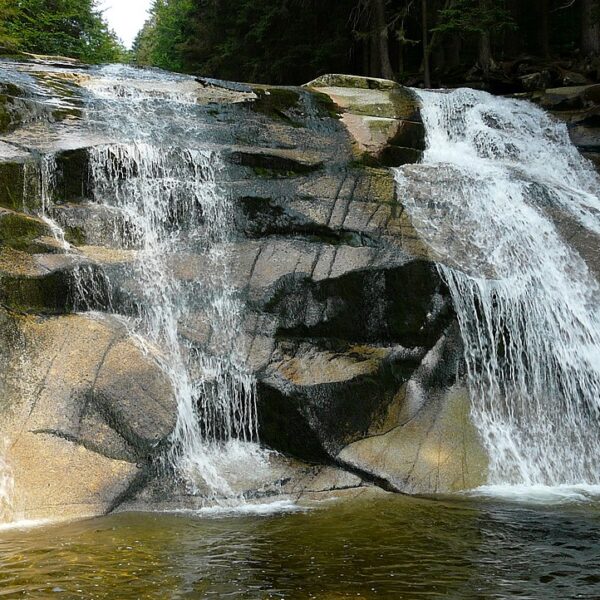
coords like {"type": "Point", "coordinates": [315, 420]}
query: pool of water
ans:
{"type": "Point", "coordinates": [393, 547]}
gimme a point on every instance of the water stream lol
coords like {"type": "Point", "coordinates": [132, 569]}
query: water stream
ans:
{"type": "Point", "coordinates": [511, 209]}
{"type": "Point", "coordinates": [6, 487]}
{"type": "Point", "coordinates": [392, 548]}
{"type": "Point", "coordinates": [172, 211]}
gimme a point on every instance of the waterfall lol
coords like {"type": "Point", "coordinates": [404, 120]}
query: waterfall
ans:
{"type": "Point", "coordinates": [176, 217]}
{"type": "Point", "coordinates": [498, 184]}
{"type": "Point", "coordinates": [6, 487]}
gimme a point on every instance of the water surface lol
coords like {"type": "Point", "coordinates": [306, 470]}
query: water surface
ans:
{"type": "Point", "coordinates": [394, 547]}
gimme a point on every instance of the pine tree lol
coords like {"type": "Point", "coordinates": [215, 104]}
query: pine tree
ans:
{"type": "Point", "coordinates": [72, 28]}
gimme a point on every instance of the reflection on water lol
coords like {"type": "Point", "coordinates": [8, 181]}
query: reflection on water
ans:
{"type": "Point", "coordinates": [390, 548]}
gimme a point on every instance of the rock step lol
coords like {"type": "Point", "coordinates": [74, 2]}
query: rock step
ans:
{"type": "Point", "coordinates": [382, 117]}
{"type": "Point", "coordinates": [21, 172]}
{"type": "Point", "coordinates": [308, 395]}
{"type": "Point", "coordinates": [311, 290]}
{"type": "Point", "coordinates": [58, 283]}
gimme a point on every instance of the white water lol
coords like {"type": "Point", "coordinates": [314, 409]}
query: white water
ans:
{"type": "Point", "coordinates": [6, 488]}
{"type": "Point", "coordinates": [164, 182]}
{"type": "Point", "coordinates": [527, 303]}
{"type": "Point", "coordinates": [266, 509]}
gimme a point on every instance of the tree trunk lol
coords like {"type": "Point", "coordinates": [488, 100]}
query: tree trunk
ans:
{"type": "Point", "coordinates": [514, 38]}
{"type": "Point", "coordinates": [438, 58]}
{"type": "Point", "coordinates": [426, 66]}
{"type": "Point", "coordinates": [387, 72]}
{"type": "Point", "coordinates": [373, 55]}
{"type": "Point", "coordinates": [401, 59]}
{"type": "Point", "coordinates": [485, 45]}
{"type": "Point", "coordinates": [485, 52]}
{"type": "Point", "coordinates": [453, 46]}
{"type": "Point", "coordinates": [590, 27]}
{"type": "Point", "coordinates": [365, 47]}
{"type": "Point", "coordinates": [544, 31]}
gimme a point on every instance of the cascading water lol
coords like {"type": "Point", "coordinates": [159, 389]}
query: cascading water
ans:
{"type": "Point", "coordinates": [497, 179]}
{"type": "Point", "coordinates": [176, 217]}
{"type": "Point", "coordinates": [6, 488]}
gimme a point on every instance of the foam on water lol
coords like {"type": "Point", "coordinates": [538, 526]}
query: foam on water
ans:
{"type": "Point", "coordinates": [247, 509]}
{"type": "Point", "coordinates": [540, 494]}
{"type": "Point", "coordinates": [497, 180]}
{"type": "Point", "coordinates": [24, 524]}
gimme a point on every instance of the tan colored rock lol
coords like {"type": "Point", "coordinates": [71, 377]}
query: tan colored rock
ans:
{"type": "Point", "coordinates": [382, 117]}
{"type": "Point", "coordinates": [43, 490]}
{"type": "Point", "coordinates": [81, 405]}
{"type": "Point", "coordinates": [436, 451]}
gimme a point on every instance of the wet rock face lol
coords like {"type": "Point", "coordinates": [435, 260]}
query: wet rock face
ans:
{"type": "Point", "coordinates": [347, 321]}
{"type": "Point", "coordinates": [579, 107]}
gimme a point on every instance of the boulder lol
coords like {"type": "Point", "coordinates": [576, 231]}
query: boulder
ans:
{"type": "Point", "coordinates": [426, 442]}
{"type": "Point", "coordinates": [579, 107]}
{"type": "Point", "coordinates": [79, 397]}
{"type": "Point", "coordinates": [382, 117]}
{"type": "Point", "coordinates": [313, 402]}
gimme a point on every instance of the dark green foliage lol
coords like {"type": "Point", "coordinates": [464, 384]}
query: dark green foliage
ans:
{"type": "Point", "coordinates": [273, 41]}
{"type": "Point", "coordinates": [73, 28]}
{"type": "Point", "coordinates": [294, 41]}
{"type": "Point", "coordinates": [473, 16]}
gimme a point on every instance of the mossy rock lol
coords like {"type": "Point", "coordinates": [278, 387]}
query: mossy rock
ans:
{"type": "Point", "coordinates": [326, 106]}
{"type": "Point", "coordinates": [12, 185]}
{"type": "Point", "coordinates": [22, 232]}
{"type": "Point", "coordinates": [407, 104]}
{"type": "Point", "coordinates": [10, 115]}
{"type": "Point", "coordinates": [382, 185]}
{"type": "Point", "coordinates": [275, 163]}
{"type": "Point", "coordinates": [396, 156]}
{"type": "Point", "coordinates": [73, 180]}
{"type": "Point", "coordinates": [353, 81]}
{"type": "Point", "coordinates": [278, 103]}
{"type": "Point", "coordinates": [75, 235]}
{"type": "Point", "coordinates": [46, 294]}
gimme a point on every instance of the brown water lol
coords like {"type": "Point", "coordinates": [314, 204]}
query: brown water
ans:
{"type": "Point", "coordinates": [389, 548]}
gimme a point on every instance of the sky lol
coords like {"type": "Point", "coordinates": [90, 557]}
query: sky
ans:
{"type": "Point", "coordinates": [126, 17]}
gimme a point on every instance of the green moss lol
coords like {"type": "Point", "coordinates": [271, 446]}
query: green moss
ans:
{"type": "Point", "coordinates": [10, 89]}
{"type": "Point", "coordinates": [363, 160]}
{"type": "Point", "coordinates": [326, 105]}
{"type": "Point", "coordinates": [11, 185]}
{"type": "Point", "coordinates": [75, 236]}
{"type": "Point", "coordinates": [67, 113]}
{"type": "Point", "coordinates": [48, 294]}
{"type": "Point", "coordinates": [396, 156]}
{"type": "Point", "coordinates": [406, 104]}
{"type": "Point", "coordinates": [353, 81]}
{"type": "Point", "coordinates": [10, 118]}
{"type": "Point", "coordinates": [276, 163]}
{"type": "Point", "coordinates": [21, 232]}
{"type": "Point", "coordinates": [277, 103]}
{"type": "Point", "coordinates": [266, 173]}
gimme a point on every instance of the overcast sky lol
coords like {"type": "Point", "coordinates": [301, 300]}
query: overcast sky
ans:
{"type": "Point", "coordinates": [126, 17]}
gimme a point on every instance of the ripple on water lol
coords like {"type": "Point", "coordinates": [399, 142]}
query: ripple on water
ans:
{"type": "Point", "coordinates": [394, 547]}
